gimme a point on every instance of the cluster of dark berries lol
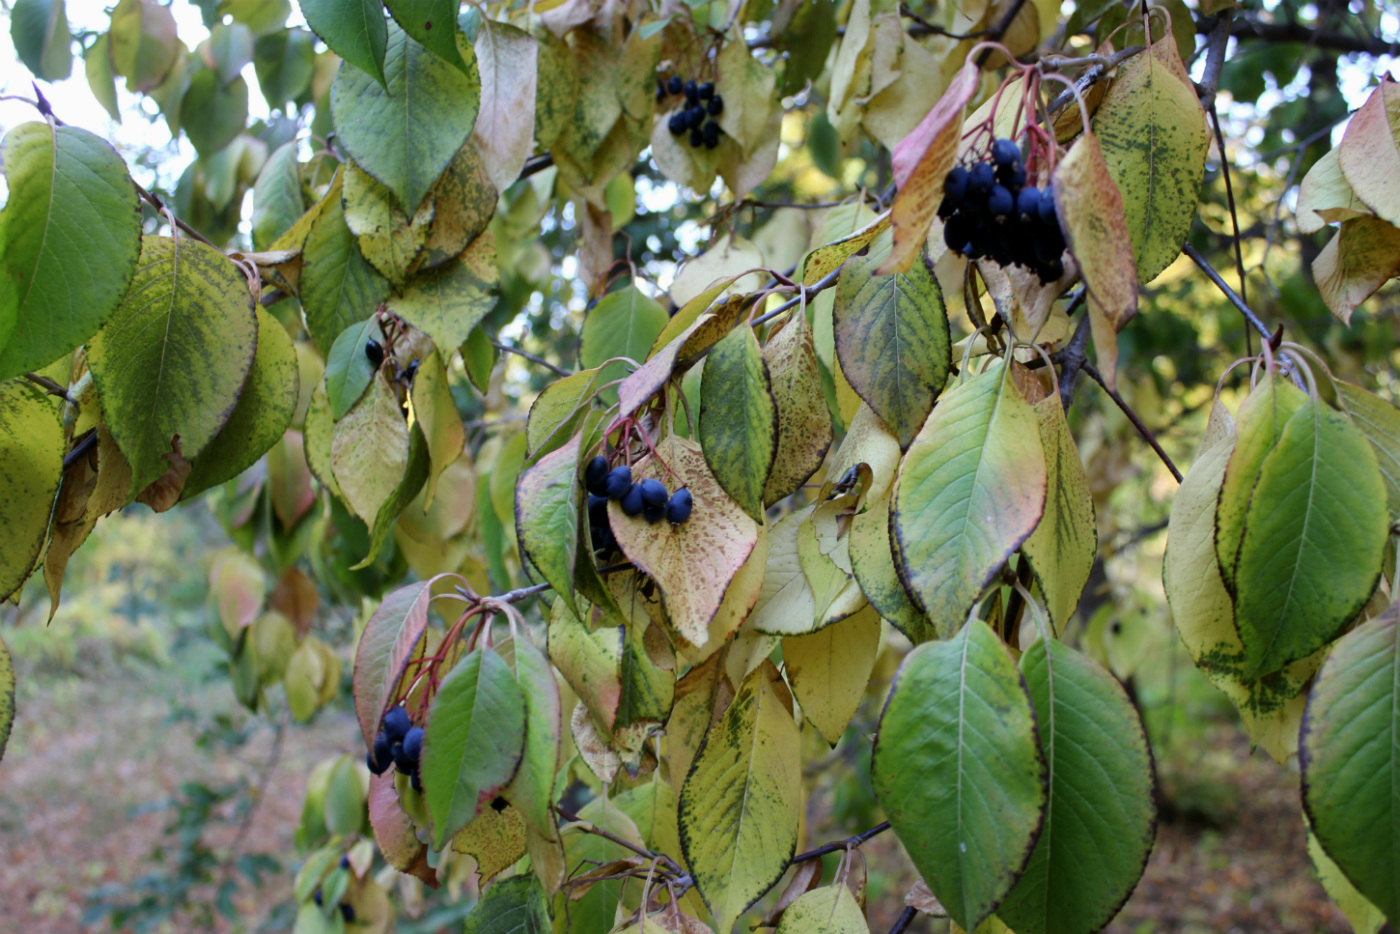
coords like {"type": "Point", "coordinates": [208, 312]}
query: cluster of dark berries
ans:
{"type": "Point", "coordinates": [374, 352]}
{"type": "Point", "coordinates": [700, 101]}
{"type": "Point", "coordinates": [989, 211]}
{"type": "Point", "coordinates": [399, 743]}
{"type": "Point", "coordinates": [647, 498]}
{"type": "Point", "coordinates": [347, 910]}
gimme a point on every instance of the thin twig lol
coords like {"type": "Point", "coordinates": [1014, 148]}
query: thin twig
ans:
{"type": "Point", "coordinates": [1230, 200]}
{"type": "Point", "coordinates": [1073, 356]}
{"type": "Point", "coordinates": [1091, 77]}
{"type": "Point", "coordinates": [51, 386]}
{"type": "Point", "coordinates": [1244, 309]}
{"type": "Point", "coordinates": [845, 844]}
{"type": "Point", "coordinates": [1247, 29]}
{"type": "Point", "coordinates": [821, 285]}
{"type": "Point", "coordinates": [81, 449]}
{"type": "Point", "coordinates": [531, 357]}
{"type": "Point", "coordinates": [905, 918]}
{"type": "Point", "coordinates": [620, 841]}
{"type": "Point", "coordinates": [1133, 417]}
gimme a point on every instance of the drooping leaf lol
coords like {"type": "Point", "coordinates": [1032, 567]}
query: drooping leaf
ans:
{"type": "Point", "coordinates": [831, 909]}
{"type": "Point", "coordinates": [415, 475]}
{"type": "Point", "coordinates": [285, 62]}
{"type": "Point", "coordinates": [394, 832]}
{"type": "Point", "coordinates": [97, 63]}
{"type": "Point", "coordinates": [589, 658]}
{"type": "Point", "coordinates": [473, 743]}
{"type": "Point", "coordinates": [510, 906]}
{"type": "Point", "coordinates": [338, 287]}
{"type": "Point", "coordinates": [212, 113]}
{"type": "Point", "coordinates": [1100, 819]}
{"type": "Point", "coordinates": [143, 43]}
{"type": "Point", "coordinates": [1370, 151]}
{"type": "Point", "coordinates": [1365, 917]}
{"type": "Point", "coordinates": [872, 562]}
{"type": "Point", "coordinates": [1325, 196]}
{"type": "Point", "coordinates": [1349, 753]}
{"type": "Point", "coordinates": [506, 57]}
{"type": "Point", "coordinates": [1061, 549]}
{"type": "Point", "coordinates": [1090, 210]}
{"type": "Point", "coordinates": [1379, 421]}
{"type": "Point", "coordinates": [406, 131]}
{"type": "Point", "coordinates": [349, 369]}
{"type": "Point", "coordinates": [958, 769]}
{"type": "Point", "coordinates": [921, 161]}
{"type": "Point", "coordinates": [623, 324]}
{"type": "Point", "coordinates": [969, 492]}
{"type": "Point", "coordinates": [892, 338]}
{"type": "Point", "coordinates": [70, 234]}
{"type": "Point", "coordinates": [804, 422]}
{"type": "Point", "coordinates": [741, 801]}
{"type": "Point", "coordinates": [438, 419]}
{"type": "Point", "coordinates": [463, 202]}
{"type": "Point", "coordinates": [597, 909]}
{"type": "Point", "coordinates": [263, 413]}
{"type": "Point", "coordinates": [389, 239]}
{"type": "Point", "coordinates": [691, 563]}
{"type": "Point", "coordinates": [532, 789]}
{"type": "Point", "coordinates": [450, 300]}
{"type": "Point", "coordinates": [370, 450]}
{"type": "Point", "coordinates": [31, 467]}
{"type": "Point", "coordinates": [354, 29]}
{"type": "Point", "coordinates": [738, 418]}
{"type": "Point", "coordinates": [277, 196]}
{"type": "Point", "coordinates": [386, 646]}
{"type": "Point", "coordinates": [171, 362]}
{"type": "Point", "coordinates": [1313, 540]}
{"type": "Point", "coordinates": [829, 670]}
{"type": "Point", "coordinates": [1154, 138]}
{"type": "Point", "coordinates": [39, 29]}
{"type": "Point", "coordinates": [432, 23]}
{"type": "Point", "coordinates": [1261, 419]}
{"type": "Point", "coordinates": [7, 697]}
{"type": "Point", "coordinates": [1362, 257]}
{"type": "Point", "coordinates": [547, 516]}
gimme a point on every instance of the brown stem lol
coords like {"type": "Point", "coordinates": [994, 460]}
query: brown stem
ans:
{"type": "Point", "coordinates": [51, 386]}
{"type": "Point", "coordinates": [531, 357]}
{"type": "Point", "coordinates": [839, 845]}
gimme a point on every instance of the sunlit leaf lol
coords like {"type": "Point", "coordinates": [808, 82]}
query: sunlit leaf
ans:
{"type": "Point", "coordinates": [31, 467]}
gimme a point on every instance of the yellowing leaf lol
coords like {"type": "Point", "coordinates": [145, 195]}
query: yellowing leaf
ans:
{"type": "Point", "coordinates": [437, 416]}
{"type": "Point", "coordinates": [1326, 196]}
{"type": "Point", "coordinates": [786, 603]}
{"type": "Point", "coordinates": [1361, 258]}
{"type": "Point", "coordinates": [691, 563]}
{"type": "Point", "coordinates": [31, 467]}
{"type": "Point", "coordinates": [370, 449]}
{"type": "Point", "coordinates": [495, 838]}
{"type": "Point", "coordinates": [739, 418]}
{"type": "Point", "coordinates": [1370, 151]}
{"type": "Point", "coordinates": [804, 422]}
{"type": "Point", "coordinates": [448, 301]}
{"type": "Point", "coordinates": [1154, 138]}
{"type": "Point", "coordinates": [832, 909]}
{"type": "Point", "coordinates": [970, 491]}
{"type": "Point", "coordinates": [506, 57]}
{"type": "Point", "coordinates": [1061, 549]}
{"type": "Point", "coordinates": [388, 239]}
{"type": "Point", "coordinates": [829, 669]}
{"type": "Point", "coordinates": [741, 802]}
{"type": "Point", "coordinates": [873, 564]}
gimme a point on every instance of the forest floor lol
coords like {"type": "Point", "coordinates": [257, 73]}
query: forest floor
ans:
{"type": "Point", "coordinates": [85, 784]}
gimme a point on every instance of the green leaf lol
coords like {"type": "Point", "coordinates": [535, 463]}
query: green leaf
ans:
{"type": "Point", "coordinates": [144, 43]}
{"type": "Point", "coordinates": [70, 235]}
{"type": "Point", "coordinates": [1061, 550]}
{"type": "Point", "coordinates": [1100, 819]}
{"type": "Point", "coordinates": [338, 287]}
{"type": "Point", "coordinates": [39, 29]}
{"type": "Point", "coordinates": [384, 650]}
{"type": "Point", "coordinates": [1365, 917]}
{"type": "Point", "coordinates": [212, 114]}
{"type": "Point", "coordinates": [1349, 753]}
{"type": "Point", "coordinates": [405, 132]}
{"type": "Point", "coordinates": [532, 789]}
{"type": "Point", "coordinates": [354, 29]}
{"type": "Point", "coordinates": [510, 906]}
{"type": "Point", "coordinates": [648, 690]}
{"type": "Point", "coordinates": [958, 769]}
{"type": "Point", "coordinates": [415, 475]}
{"type": "Point", "coordinates": [284, 61]}
{"type": "Point", "coordinates": [230, 45]}
{"type": "Point", "coordinates": [741, 803]}
{"type": "Point", "coordinates": [970, 490]}
{"type": "Point", "coordinates": [892, 337]}
{"type": "Point", "coordinates": [447, 302]}
{"type": "Point", "coordinates": [597, 909]}
{"type": "Point", "coordinates": [170, 364]}
{"type": "Point", "coordinates": [873, 564]}
{"type": "Point", "coordinates": [277, 199]}
{"type": "Point", "coordinates": [344, 807]}
{"type": "Point", "coordinates": [831, 909]}
{"type": "Point", "coordinates": [390, 240]}
{"type": "Point", "coordinates": [547, 515]}
{"type": "Point", "coordinates": [738, 418]}
{"type": "Point", "coordinates": [97, 63]}
{"type": "Point", "coordinates": [31, 467]}
{"type": "Point", "coordinates": [479, 358]}
{"type": "Point", "coordinates": [473, 741]}
{"type": "Point", "coordinates": [1261, 419]}
{"type": "Point", "coordinates": [370, 450]}
{"type": "Point", "coordinates": [434, 24]}
{"type": "Point", "coordinates": [264, 411]}
{"type": "Point", "coordinates": [804, 422]}
{"type": "Point", "coordinates": [589, 658]}
{"type": "Point", "coordinates": [1313, 539]}
{"type": "Point", "coordinates": [348, 367]}
{"type": "Point", "coordinates": [7, 697]}
{"type": "Point", "coordinates": [624, 323]}
{"type": "Point", "coordinates": [1379, 421]}
{"type": "Point", "coordinates": [1154, 137]}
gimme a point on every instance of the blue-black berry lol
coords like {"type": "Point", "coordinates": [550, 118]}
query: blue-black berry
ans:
{"type": "Point", "coordinates": [396, 724]}
{"type": "Point", "coordinates": [679, 507]}
{"type": "Point", "coordinates": [692, 91]}
{"type": "Point", "coordinates": [618, 483]}
{"type": "Point", "coordinates": [716, 106]}
{"type": "Point", "coordinates": [632, 503]}
{"type": "Point", "coordinates": [374, 351]}
{"type": "Point", "coordinates": [678, 122]}
{"type": "Point", "coordinates": [955, 185]}
{"type": "Point", "coordinates": [653, 492]}
{"type": "Point", "coordinates": [711, 134]}
{"type": "Point", "coordinates": [981, 179]}
{"type": "Point", "coordinates": [675, 85]}
{"type": "Point", "coordinates": [595, 475]}
{"type": "Point", "coordinates": [1005, 152]}
{"type": "Point", "coordinates": [413, 743]}
{"type": "Point", "coordinates": [707, 90]}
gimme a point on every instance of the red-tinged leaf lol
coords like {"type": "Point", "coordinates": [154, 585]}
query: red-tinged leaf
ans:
{"type": "Point", "coordinates": [647, 380]}
{"type": "Point", "coordinates": [385, 648]}
{"type": "Point", "coordinates": [1370, 151]}
{"type": "Point", "coordinates": [473, 741]}
{"type": "Point", "coordinates": [920, 163]}
{"type": "Point", "coordinates": [693, 563]}
{"type": "Point", "coordinates": [1361, 258]}
{"type": "Point", "coordinates": [1091, 215]}
{"type": "Point", "coordinates": [394, 832]}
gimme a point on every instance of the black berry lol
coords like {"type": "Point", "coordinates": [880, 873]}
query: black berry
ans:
{"type": "Point", "coordinates": [955, 185]}
{"type": "Point", "coordinates": [716, 106]}
{"type": "Point", "coordinates": [692, 92]}
{"type": "Point", "coordinates": [413, 743]}
{"type": "Point", "coordinates": [415, 782]}
{"type": "Point", "coordinates": [317, 897]}
{"type": "Point", "coordinates": [1047, 207]}
{"type": "Point", "coordinates": [1005, 152]}
{"type": "Point", "coordinates": [344, 860]}
{"type": "Point", "coordinates": [679, 507]}
{"type": "Point", "coordinates": [595, 475]}
{"type": "Point", "coordinates": [347, 912]}
{"type": "Point", "coordinates": [678, 122]}
{"type": "Point", "coordinates": [981, 179]}
{"type": "Point", "coordinates": [1028, 204]}
{"type": "Point", "coordinates": [411, 370]}
{"type": "Point", "coordinates": [632, 503]}
{"type": "Point", "coordinates": [653, 492]}
{"type": "Point", "coordinates": [396, 724]}
{"type": "Point", "coordinates": [374, 351]}
{"type": "Point", "coordinates": [711, 133]}
{"type": "Point", "coordinates": [1000, 202]}
{"type": "Point", "coordinates": [697, 138]}
{"type": "Point", "coordinates": [707, 90]}
{"type": "Point", "coordinates": [675, 85]}
{"type": "Point", "coordinates": [618, 483]}
{"type": "Point", "coordinates": [694, 117]}
{"type": "Point", "coordinates": [598, 511]}
{"type": "Point", "coordinates": [379, 758]}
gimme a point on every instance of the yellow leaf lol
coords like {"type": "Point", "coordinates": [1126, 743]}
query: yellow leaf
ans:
{"type": "Point", "coordinates": [1363, 255]}
{"type": "Point", "coordinates": [829, 669]}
